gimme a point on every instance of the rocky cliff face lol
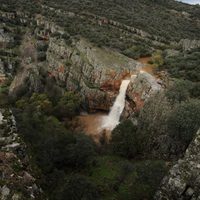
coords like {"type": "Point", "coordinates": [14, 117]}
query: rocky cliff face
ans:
{"type": "Point", "coordinates": [189, 44]}
{"type": "Point", "coordinates": [94, 72]}
{"type": "Point", "coordinates": [27, 77]}
{"type": "Point", "coordinates": [142, 86]}
{"type": "Point", "coordinates": [183, 181]}
{"type": "Point", "coordinates": [17, 181]}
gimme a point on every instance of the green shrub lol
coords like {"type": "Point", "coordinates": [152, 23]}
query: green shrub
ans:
{"type": "Point", "coordinates": [185, 66]}
{"type": "Point", "coordinates": [125, 142]}
{"type": "Point", "coordinates": [68, 105]}
{"type": "Point", "coordinates": [77, 187]}
{"type": "Point", "coordinates": [157, 58]}
{"type": "Point", "coordinates": [42, 47]}
{"type": "Point", "coordinates": [143, 182]}
{"type": "Point", "coordinates": [184, 121]}
{"type": "Point", "coordinates": [179, 91]}
{"type": "Point", "coordinates": [137, 51]}
{"type": "Point", "coordinates": [195, 90]}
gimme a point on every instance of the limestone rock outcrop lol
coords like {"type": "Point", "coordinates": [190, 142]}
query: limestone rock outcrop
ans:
{"type": "Point", "coordinates": [183, 180]}
{"type": "Point", "coordinates": [94, 72]}
{"type": "Point", "coordinates": [141, 87]}
{"type": "Point", "coordinates": [189, 44]}
{"type": "Point", "coordinates": [17, 181]}
{"type": "Point", "coordinates": [28, 79]}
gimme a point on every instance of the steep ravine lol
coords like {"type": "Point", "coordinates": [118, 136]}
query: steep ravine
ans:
{"type": "Point", "coordinates": [96, 74]}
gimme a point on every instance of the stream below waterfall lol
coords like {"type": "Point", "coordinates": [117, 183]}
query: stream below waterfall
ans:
{"type": "Point", "coordinates": [91, 124]}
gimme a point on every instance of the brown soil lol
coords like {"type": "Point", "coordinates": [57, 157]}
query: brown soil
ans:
{"type": "Point", "coordinates": [148, 67]}
{"type": "Point", "coordinates": [90, 124]}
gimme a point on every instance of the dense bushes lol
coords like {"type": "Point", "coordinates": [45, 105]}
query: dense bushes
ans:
{"type": "Point", "coordinates": [151, 16]}
{"type": "Point", "coordinates": [54, 149]}
{"type": "Point", "coordinates": [169, 121]}
{"type": "Point", "coordinates": [125, 141]}
{"type": "Point", "coordinates": [184, 121]}
{"type": "Point", "coordinates": [68, 163]}
{"type": "Point", "coordinates": [77, 187]}
{"type": "Point", "coordinates": [136, 52]}
{"type": "Point", "coordinates": [157, 58]}
{"type": "Point", "coordinates": [4, 94]}
{"type": "Point", "coordinates": [67, 105]}
{"type": "Point", "coordinates": [53, 146]}
{"type": "Point", "coordinates": [143, 181]}
{"type": "Point", "coordinates": [179, 91]}
{"type": "Point", "coordinates": [41, 56]}
{"type": "Point", "coordinates": [186, 65]}
{"type": "Point", "coordinates": [166, 125]}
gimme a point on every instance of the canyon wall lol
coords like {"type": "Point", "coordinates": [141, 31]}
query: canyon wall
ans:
{"type": "Point", "coordinates": [17, 180]}
{"type": "Point", "coordinates": [95, 73]}
{"type": "Point", "coordinates": [183, 180]}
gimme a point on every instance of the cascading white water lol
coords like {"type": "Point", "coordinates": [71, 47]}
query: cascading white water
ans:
{"type": "Point", "coordinates": [112, 120]}
{"type": "Point", "coordinates": [1, 117]}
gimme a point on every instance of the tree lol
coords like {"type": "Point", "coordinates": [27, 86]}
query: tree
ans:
{"type": "Point", "coordinates": [67, 105]}
{"type": "Point", "coordinates": [157, 58]}
{"type": "Point", "coordinates": [195, 90]}
{"type": "Point", "coordinates": [125, 142]}
{"type": "Point", "coordinates": [152, 121]}
{"type": "Point", "coordinates": [40, 102]}
{"type": "Point", "coordinates": [148, 175]}
{"type": "Point", "coordinates": [179, 91]}
{"type": "Point", "coordinates": [54, 147]}
{"type": "Point", "coordinates": [138, 51]}
{"type": "Point", "coordinates": [82, 152]}
{"type": "Point", "coordinates": [184, 121]}
{"type": "Point", "coordinates": [77, 187]}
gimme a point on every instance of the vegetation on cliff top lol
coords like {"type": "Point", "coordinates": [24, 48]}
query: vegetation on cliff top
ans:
{"type": "Point", "coordinates": [161, 18]}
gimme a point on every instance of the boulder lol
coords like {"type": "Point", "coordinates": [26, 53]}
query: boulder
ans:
{"type": "Point", "coordinates": [5, 192]}
{"type": "Point", "coordinates": [142, 86]}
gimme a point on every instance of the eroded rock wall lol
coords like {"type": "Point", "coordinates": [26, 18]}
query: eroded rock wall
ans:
{"type": "Point", "coordinates": [95, 73]}
{"type": "Point", "coordinates": [183, 180]}
{"type": "Point", "coordinates": [141, 87]}
{"type": "Point", "coordinates": [17, 180]}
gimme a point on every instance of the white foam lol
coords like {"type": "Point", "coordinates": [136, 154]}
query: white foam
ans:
{"type": "Point", "coordinates": [1, 117]}
{"type": "Point", "coordinates": [112, 120]}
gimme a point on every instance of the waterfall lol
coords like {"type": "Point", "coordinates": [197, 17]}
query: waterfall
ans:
{"type": "Point", "coordinates": [1, 117]}
{"type": "Point", "coordinates": [112, 120]}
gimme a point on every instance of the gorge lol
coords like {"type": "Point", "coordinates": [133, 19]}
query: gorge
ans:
{"type": "Point", "coordinates": [100, 125]}
{"type": "Point", "coordinates": [99, 100]}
